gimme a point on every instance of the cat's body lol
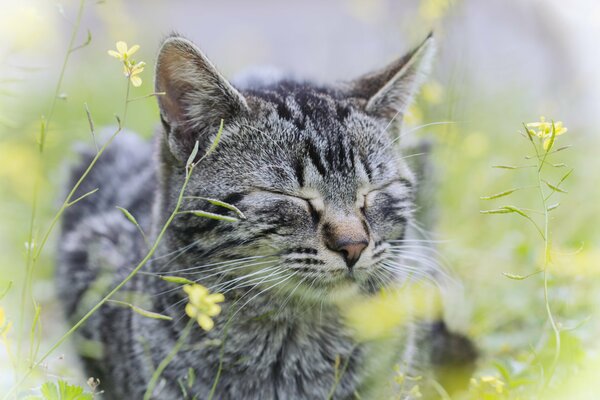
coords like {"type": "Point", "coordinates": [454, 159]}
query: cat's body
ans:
{"type": "Point", "coordinates": [296, 159]}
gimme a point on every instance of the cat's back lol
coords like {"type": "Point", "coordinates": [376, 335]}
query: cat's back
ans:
{"type": "Point", "coordinates": [96, 235]}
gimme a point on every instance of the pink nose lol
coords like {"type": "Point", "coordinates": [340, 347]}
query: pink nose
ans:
{"type": "Point", "coordinates": [350, 250]}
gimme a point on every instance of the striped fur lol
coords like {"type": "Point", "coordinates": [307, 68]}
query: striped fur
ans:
{"type": "Point", "coordinates": [301, 162]}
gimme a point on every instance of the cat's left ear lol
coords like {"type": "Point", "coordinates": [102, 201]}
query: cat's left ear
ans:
{"type": "Point", "coordinates": [388, 92]}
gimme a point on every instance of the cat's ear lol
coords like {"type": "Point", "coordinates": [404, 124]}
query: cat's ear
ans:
{"type": "Point", "coordinates": [388, 92]}
{"type": "Point", "coordinates": [196, 95]}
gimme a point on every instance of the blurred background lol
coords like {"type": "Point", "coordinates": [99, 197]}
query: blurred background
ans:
{"type": "Point", "coordinates": [500, 63]}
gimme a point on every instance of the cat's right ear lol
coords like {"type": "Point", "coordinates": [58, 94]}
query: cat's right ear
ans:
{"type": "Point", "coordinates": [196, 96]}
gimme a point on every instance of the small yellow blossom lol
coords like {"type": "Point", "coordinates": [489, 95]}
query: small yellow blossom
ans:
{"type": "Point", "coordinates": [486, 383]}
{"type": "Point", "coordinates": [543, 130]}
{"type": "Point", "coordinates": [130, 68]}
{"type": "Point", "coordinates": [415, 392]}
{"type": "Point", "coordinates": [202, 305]}
{"type": "Point", "coordinates": [123, 53]}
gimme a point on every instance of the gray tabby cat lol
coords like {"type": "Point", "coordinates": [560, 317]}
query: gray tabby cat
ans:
{"type": "Point", "coordinates": [328, 201]}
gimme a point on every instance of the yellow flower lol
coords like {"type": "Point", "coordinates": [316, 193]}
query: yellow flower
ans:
{"type": "Point", "coordinates": [130, 68]}
{"type": "Point", "coordinates": [135, 70]}
{"type": "Point", "coordinates": [543, 130]}
{"type": "Point", "coordinates": [485, 383]}
{"type": "Point", "coordinates": [202, 305]}
{"type": "Point", "coordinates": [123, 53]}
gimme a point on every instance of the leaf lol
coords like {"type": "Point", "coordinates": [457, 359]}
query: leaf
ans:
{"type": "Point", "coordinates": [128, 215]}
{"type": "Point", "coordinates": [91, 124]}
{"type": "Point", "coordinates": [220, 203]}
{"type": "Point", "coordinates": [529, 135]}
{"type": "Point", "coordinates": [552, 139]}
{"type": "Point", "coordinates": [517, 277]}
{"type": "Point", "coordinates": [555, 188]}
{"type": "Point", "coordinates": [215, 142]}
{"type": "Point", "coordinates": [516, 210]}
{"type": "Point", "coordinates": [206, 214]}
{"type": "Point", "coordinates": [149, 314]}
{"type": "Point", "coordinates": [8, 287]}
{"type": "Point", "coordinates": [191, 377]}
{"type": "Point", "coordinates": [496, 211]}
{"type": "Point", "coordinates": [514, 276]}
{"type": "Point", "coordinates": [562, 148]}
{"type": "Point", "coordinates": [63, 391]}
{"type": "Point", "coordinates": [42, 139]}
{"type": "Point", "coordinates": [83, 196]}
{"type": "Point", "coordinates": [559, 165]}
{"type": "Point", "coordinates": [565, 176]}
{"type": "Point", "coordinates": [505, 166]}
{"type": "Point", "coordinates": [501, 194]}
{"type": "Point", "coordinates": [141, 311]}
{"type": "Point", "coordinates": [552, 206]}
{"type": "Point", "coordinates": [193, 155]}
{"type": "Point", "coordinates": [177, 279]}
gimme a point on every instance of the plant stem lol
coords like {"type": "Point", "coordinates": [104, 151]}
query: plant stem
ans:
{"type": "Point", "coordinates": [167, 360]}
{"type": "Point", "coordinates": [30, 259]}
{"type": "Point", "coordinates": [553, 324]}
{"type": "Point", "coordinates": [140, 265]}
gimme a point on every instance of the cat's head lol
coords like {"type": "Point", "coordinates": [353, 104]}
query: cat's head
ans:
{"type": "Point", "coordinates": [316, 171]}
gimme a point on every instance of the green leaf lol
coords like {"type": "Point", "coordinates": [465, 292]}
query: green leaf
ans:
{"type": "Point", "coordinates": [141, 311]}
{"type": "Point", "coordinates": [193, 155]}
{"type": "Point", "coordinates": [496, 211]}
{"type": "Point", "coordinates": [177, 279]}
{"type": "Point", "coordinates": [206, 214]}
{"type": "Point", "coordinates": [516, 210]}
{"type": "Point", "coordinates": [128, 215]}
{"type": "Point", "coordinates": [505, 166]}
{"type": "Point", "coordinates": [515, 277]}
{"type": "Point", "coordinates": [191, 377]}
{"type": "Point", "coordinates": [501, 194]}
{"type": "Point", "coordinates": [63, 391]}
{"type": "Point", "coordinates": [555, 188]}
{"type": "Point", "coordinates": [149, 314]}
{"type": "Point", "coordinates": [529, 135]}
{"type": "Point", "coordinates": [220, 203]}
{"type": "Point", "coordinates": [565, 176]}
{"type": "Point", "coordinates": [8, 287]}
{"type": "Point", "coordinates": [552, 139]}
{"type": "Point", "coordinates": [215, 142]}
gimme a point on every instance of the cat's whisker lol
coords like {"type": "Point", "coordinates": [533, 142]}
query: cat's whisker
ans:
{"type": "Point", "coordinates": [231, 284]}
{"type": "Point", "coordinates": [285, 279]}
{"type": "Point", "coordinates": [220, 263]}
{"type": "Point", "coordinates": [223, 269]}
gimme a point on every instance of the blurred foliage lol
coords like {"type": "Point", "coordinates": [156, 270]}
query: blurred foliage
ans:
{"type": "Point", "coordinates": [505, 317]}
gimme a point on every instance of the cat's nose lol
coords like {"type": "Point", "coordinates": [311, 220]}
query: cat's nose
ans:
{"type": "Point", "coordinates": [350, 250]}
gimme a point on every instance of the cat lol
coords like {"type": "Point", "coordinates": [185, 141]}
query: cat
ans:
{"type": "Point", "coordinates": [327, 200]}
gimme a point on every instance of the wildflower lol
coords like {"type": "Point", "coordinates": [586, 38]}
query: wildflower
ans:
{"type": "Point", "coordinates": [123, 53]}
{"type": "Point", "coordinates": [130, 68]}
{"type": "Point", "coordinates": [415, 392]}
{"type": "Point", "coordinates": [135, 70]}
{"type": "Point", "coordinates": [485, 383]}
{"type": "Point", "coordinates": [202, 305]}
{"type": "Point", "coordinates": [543, 130]}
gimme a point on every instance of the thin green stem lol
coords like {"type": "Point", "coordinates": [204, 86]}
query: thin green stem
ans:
{"type": "Point", "coordinates": [141, 264]}
{"type": "Point", "coordinates": [167, 360]}
{"type": "Point", "coordinates": [30, 259]}
{"type": "Point", "coordinates": [551, 319]}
